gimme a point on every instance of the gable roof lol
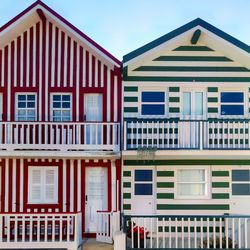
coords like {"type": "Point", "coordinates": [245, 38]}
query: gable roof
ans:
{"type": "Point", "coordinates": [179, 31]}
{"type": "Point", "coordinates": [36, 8]}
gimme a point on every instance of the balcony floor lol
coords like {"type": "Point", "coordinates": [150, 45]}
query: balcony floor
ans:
{"type": "Point", "coordinates": [92, 244]}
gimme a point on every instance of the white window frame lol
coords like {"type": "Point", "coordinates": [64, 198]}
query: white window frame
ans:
{"type": "Point", "coordinates": [61, 109]}
{"type": "Point", "coordinates": [244, 103]}
{"type": "Point", "coordinates": [207, 183]}
{"type": "Point", "coordinates": [194, 89]}
{"type": "Point", "coordinates": [166, 102]}
{"type": "Point", "coordinates": [26, 109]}
{"type": "Point", "coordinates": [43, 189]}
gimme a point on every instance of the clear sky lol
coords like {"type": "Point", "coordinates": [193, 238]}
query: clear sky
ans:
{"type": "Point", "coordinates": [120, 26]}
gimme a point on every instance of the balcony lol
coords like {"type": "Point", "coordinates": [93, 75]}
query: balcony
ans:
{"type": "Point", "coordinates": [60, 136]}
{"type": "Point", "coordinates": [187, 134]}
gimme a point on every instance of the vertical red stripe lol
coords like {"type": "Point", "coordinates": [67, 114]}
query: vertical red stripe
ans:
{"type": "Point", "coordinates": [75, 185]}
{"type": "Point", "coordinates": [62, 58]}
{"type": "Point", "coordinates": [31, 56]}
{"type": "Point", "coordinates": [87, 69]}
{"type": "Point", "coordinates": [56, 56]}
{"type": "Point", "coordinates": [50, 54]}
{"type": "Point", "coordinates": [1, 66]}
{"type": "Point", "coordinates": [68, 185]}
{"type": "Point", "coordinates": [105, 72]}
{"type": "Point", "coordinates": [10, 184]}
{"type": "Point", "coordinates": [112, 87]}
{"type": "Point", "coordinates": [93, 71]}
{"type": "Point", "coordinates": [18, 185]}
{"type": "Point", "coordinates": [81, 66]}
{"type": "Point", "coordinates": [99, 72]}
{"type": "Point", "coordinates": [3, 186]}
{"type": "Point", "coordinates": [37, 53]}
{"type": "Point", "coordinates": [74, 63]}
{"type": "Point", "coordinates": [44, 48]}
{"type": "Point", "coordinates": [83, 181]}
{"type": "Point", "coordinates": [24, 59]}
{"type": "Point", "coordinates": [68, 60]}
{"type": "Point", "coordinates": [60, 185]}
{"type": "Point", "coordinates": [109, 187]}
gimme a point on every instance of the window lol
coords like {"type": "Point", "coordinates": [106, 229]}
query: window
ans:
{"type": "Point", "coordinates": [241, 182]}
{"type": "Point", "coordinates": [192, 183]}
{"type": "Point", "coordinates": [143, 182]}
{"type": "Point", "coordinates": [26, 107]}
{"type": "Point", "coordinates": [153, 103]}
{"type": "Point", "coordinates": [232, 103]}
{"type": "Point", "coordinates": [43, 185]}
{"type": "Point", "coordinates": [61, 107]}
{"type": "Point", "coordinates": [192, 104]}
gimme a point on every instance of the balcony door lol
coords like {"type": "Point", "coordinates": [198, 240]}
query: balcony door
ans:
{"type": "Point", "coordinates": [93, 113]}
{"type": "Point", "coordinates": [95, 196]}
{"type": "Point", "coordinates": [193, 105]}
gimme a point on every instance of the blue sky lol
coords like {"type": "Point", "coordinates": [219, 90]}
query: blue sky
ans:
{"type": "Point", "coordinates": [121, 26]}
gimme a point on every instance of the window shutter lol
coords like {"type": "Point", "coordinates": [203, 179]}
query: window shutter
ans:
{"type": "Point", "coordinates": [36, 185]}
{"type": "Point", "coordinates": [50, 185]}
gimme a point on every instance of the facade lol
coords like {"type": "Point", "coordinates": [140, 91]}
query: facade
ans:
{"type": "Point", "coordinates": [186, 135]}
{"type": "Point", "coordinates": [60, 110]}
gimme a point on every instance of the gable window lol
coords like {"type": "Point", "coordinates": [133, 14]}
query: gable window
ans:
{"type": "Point", "coordinates": [143, 182]}
{"type": "Point", "coordinates": [26, 107]}
{"type": "Point", "coordinates": [192, 183]}
{"type": "Point", "coordinates": [153, 103]}
{"type": "Point", "coordinates": [232, 103]}
{"type": "Point", "coordinates": [43, 185]}
{"type": "Point", "coordinates": [61, 107]}
{"type": "Point", "coordinates": [241, 182]}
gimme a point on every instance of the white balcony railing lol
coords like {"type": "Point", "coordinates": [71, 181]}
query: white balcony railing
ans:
{"type": "Point", "coordinates": [60, 136]}
{"type": "Point", "coordinates": [62, 230]}
{"type": "Point", "coordinates": [181, 134]}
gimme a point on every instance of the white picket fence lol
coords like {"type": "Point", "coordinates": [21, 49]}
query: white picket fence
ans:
{"type": "Point", "coordinates": [188, 232]}
{"type": "Point", "coordinates": [60, 135]}
{"type": "Point", "coordinates": [57, 230]}
{"type": "Point", "coordinates": [107, 224]}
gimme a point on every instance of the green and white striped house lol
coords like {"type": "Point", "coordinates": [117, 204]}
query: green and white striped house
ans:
{"type": "Point", "coordinates": [186, 110]}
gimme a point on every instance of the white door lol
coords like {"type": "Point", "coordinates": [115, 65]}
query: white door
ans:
{"type": "Point", "coordinates": [95, 197]}
{"type": "Point", "coordinates": [93, 113]}
{"type": "Point", "coordinates": [143, 201]}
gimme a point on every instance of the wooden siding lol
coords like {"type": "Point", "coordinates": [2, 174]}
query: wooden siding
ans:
{"type": "Point", "coordinates": [45, 59]}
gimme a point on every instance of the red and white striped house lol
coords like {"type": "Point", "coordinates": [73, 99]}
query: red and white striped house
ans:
{"type": "Point", "coordinates": [60, 109]}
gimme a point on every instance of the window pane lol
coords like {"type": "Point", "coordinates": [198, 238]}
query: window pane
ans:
{"type": "Point", "coordinates": [232, 110]}
{"type": "Point", "coordinates": [198, 103]}
{"type": "Point", "coordinates": [31, 104]}
{"type": "Point", "coordinates": [143, 175]}
{"type": "Point", "coordinates": [191, 175]}
{"type": "Point", "coordinates": [153, 97]}
{"type": "Point", "coordinates": [21, 104]}
{"type": "Point", "coordinates": [66, 104]}
{"type": "Point", "coordinates": [56, 97]}
{"type": "Point", "coordinates": [31, 97]}
{"type": "Point", "coordinates": [56, 104]}
{"type": "Point", "coordinates": [21, 97]}
{"type": "Point", "coordinates": [143, 189]}
{"type": "Point", "coordinates": [66, 97]}
{"type": "Point", "coordinates": [153, 109]}
{"type": "Point", "coordinates": [232, 97]}
{"type": "Point", "coordinates": [240, 189]}
{"type": "Point", "coordinates": [191, 189]}
{"type": "Point", "coordinates": [186, 103]}
{"type": "Point", "coordinates": [240, 175]}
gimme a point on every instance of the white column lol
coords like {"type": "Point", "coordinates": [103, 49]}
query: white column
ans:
{"type": "Point", "coordinates": [113, 179]}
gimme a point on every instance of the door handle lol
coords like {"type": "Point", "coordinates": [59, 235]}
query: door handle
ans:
{"type": "Point", "coordinates": [86, 198]}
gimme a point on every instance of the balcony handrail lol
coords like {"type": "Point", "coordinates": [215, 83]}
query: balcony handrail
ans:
{"type": "Point", "coordinates": [179, 119]}
{"type": "Point", "coordinates": [58, 122]}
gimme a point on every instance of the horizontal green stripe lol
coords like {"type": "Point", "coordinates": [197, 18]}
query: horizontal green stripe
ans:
{"type": "Point", "coordinates": [194, 58]}
{"type": "Point", "coordinates": [191, 229]}
{"type": "Point", "coordinates": [174, 89]}
{"type": "Point", "coordinates": [220, 173]}
{"type": "Point", "coordinates": [130, 109]}
{"type": "Point", "coordinates": [220, 196]}
{"type": "Point", "coordinates": [186, 79]}
{"type": "Point", "coordinates": [126, 206]}
{"type": "Point", "coordinates": [130, 89]}
{"type": "Point", "coordinates": [191, 69]}
{"type": "Point", "coordinates": [165, 173]}
{"type": "Point", "coordinates": [184, 162]}
{"type": "Point", "coordinates": [165, 196]}
{"type": "Point", "coordinates": [126, 173]}
{"type": "Point", "coordinates": [174, 110]}
{"type": "Point", "coordinates": [193, 48]}
{"type": "Point", "coordinates": [212, 89]}
{"type": "Point", "coordinates": [126, 196]}
{"type": "Point", "coordinates": [192, 207]}
{"type": "Point", "coordinates": [212, 110]}
{"type": "Point", "coordinates": [174, 99]}
{"type": "Point", "coordinates": [212, 99]}
{"type": "Point", "coordinates": [220, 184]}
{"type": "Point", "coordinates": [126, 184]}
{"type": "Point", "coordinates": [165, 184]}
{"type": "Point", "coordinates": [130, 98]}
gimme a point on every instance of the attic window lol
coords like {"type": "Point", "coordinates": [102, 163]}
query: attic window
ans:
{"type": "Point", "coordinates": [196, 36]}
